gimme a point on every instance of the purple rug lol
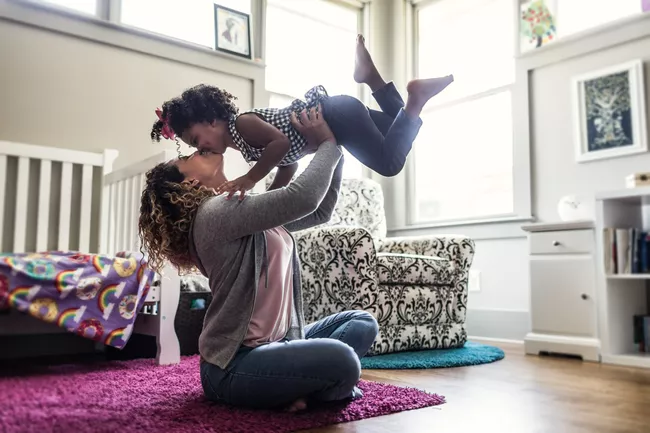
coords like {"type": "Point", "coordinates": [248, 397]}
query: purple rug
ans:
{"type": "Point", "coordinates": [142, 397]}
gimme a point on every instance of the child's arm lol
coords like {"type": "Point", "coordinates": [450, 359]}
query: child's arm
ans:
{"type": "Point", "coordinates": [283, 176]}
{"type": "Point", "coordinates": [261, 135]}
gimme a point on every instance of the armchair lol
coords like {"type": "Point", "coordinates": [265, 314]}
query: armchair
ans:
{"type": "Point", "coordinates": [416, 287]}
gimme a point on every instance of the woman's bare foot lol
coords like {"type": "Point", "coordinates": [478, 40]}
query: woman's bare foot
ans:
{"type": "Point", "coordinates": [297, 406]}
{"type": "Point", "coordinates": [420, 91]}
{"type": "Point", "coordinates": [365, 71]}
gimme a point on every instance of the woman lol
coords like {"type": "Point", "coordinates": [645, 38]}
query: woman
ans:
{"type": "Point", "coordinates": [255, 349]}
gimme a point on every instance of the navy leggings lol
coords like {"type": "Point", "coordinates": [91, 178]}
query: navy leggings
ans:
{"type": "Point", "coordinates": [322, 367]}
{"type": "Point", "coordinates": [381, 140]}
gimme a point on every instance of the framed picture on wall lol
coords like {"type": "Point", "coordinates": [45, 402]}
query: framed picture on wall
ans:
{"type": "Point", "coordinates": [537, 24]}
{"type": "Point", "coordinates": [232, 31]}
{"type": "Point", "coordinates": [609, 112]}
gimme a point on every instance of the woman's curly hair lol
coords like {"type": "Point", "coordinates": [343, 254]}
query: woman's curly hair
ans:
{"type": "Point", "coordinates": [201, 103]}
{"type": "Point", "coordinates": [168, 206]}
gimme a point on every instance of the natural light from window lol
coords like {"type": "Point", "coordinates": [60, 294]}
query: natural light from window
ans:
{"type": "Point", "coordinates": [84, 6]}
{"type": "Point", "coordinates": [464, 153]}
{"type": "Point", "coordinates": [187, 20]}
{"type": "Point", "coordinates": [317, 48]}
{"type": "Point", "coordinates": [473, 39]}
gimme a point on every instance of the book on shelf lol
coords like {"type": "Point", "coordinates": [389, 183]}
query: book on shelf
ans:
{"type": "Point", "coordinates": [642, 333]}
{"type": "Point", "coordinates": [626, 251]}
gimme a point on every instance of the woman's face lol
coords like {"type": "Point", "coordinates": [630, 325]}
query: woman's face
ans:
{"type": "Point", "coordinates": [212, 137]}
{"type": "Point", "coordinates": [205, 167]}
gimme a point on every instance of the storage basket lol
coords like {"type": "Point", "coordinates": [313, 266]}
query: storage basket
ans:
{"type": "Point", "coordinates": [189, 320]}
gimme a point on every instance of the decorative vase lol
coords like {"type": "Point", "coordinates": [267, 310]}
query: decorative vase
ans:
{"type": "Point", "coordinates": [572, 208]}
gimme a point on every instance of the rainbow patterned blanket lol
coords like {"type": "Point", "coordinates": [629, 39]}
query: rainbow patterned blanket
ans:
{"type": "Point", "coordinates": [94, 296]}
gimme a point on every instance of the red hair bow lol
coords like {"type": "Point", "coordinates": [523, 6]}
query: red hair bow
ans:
{"type": "Point", "coordinates": [166, 130]}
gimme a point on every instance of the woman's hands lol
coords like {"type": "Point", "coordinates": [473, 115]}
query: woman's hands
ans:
{"type": "Point", "coordinates": [313, 127]}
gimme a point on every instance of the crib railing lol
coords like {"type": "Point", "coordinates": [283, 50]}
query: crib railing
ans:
{"type": "Point", "coordinates": [50, 197]}
{"type": "Point", "coordinates": [122, 190]}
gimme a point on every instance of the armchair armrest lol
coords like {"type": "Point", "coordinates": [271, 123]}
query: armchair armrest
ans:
{"type": "Point", "coordinates": [338, 270]}
{"type": "Point", "coordinates": [456, 248]}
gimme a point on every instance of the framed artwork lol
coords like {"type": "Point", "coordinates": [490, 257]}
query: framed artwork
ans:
{"type": "Point", "coordinates": [232, 31]}
{"type": "Point", "coordinates": [537, 24]}
{"type": "Point", "coordinates": [609, 112]}
{"type": "Point", "coordinates": [645, 5]}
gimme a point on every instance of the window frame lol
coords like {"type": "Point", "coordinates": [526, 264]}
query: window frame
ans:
{"type": "Point", "coordinates": [108, 14]}
{"type": "Point", "coordinates": [522, 200]}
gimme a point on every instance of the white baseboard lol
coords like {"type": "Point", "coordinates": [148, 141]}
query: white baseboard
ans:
{"type": "Point", "coordinates": [587, 348]}
{"type": "Point", "coordinates": [502, 325]}
{"type": "Point", "coordinates": [494, 340]}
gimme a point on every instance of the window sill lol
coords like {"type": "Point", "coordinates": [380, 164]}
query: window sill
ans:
{"type": "Point", "coordinates": [503, 227]}
{"type": "Point", "coordinates": [93, 28]}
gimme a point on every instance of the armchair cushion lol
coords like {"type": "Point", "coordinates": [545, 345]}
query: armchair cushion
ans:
{"type": "Point", "coordinates": [455, 248]}
{"type": "Point", "coordinates": [414, 269]}
{"type": "Point", "coordinates": [338, 269]}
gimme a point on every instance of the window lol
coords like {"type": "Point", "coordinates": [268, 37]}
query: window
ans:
{"type": "Point", "coordinates": [316, 48]}
{"type": "Point", "coordinates": [84, 6]}
{"type": "Point", "coordinates": [187, 20]}
{"type": "Point", "coordinates": [463, 165]}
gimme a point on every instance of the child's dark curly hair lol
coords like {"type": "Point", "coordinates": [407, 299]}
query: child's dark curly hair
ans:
{"type": "Point", "coordinates": [201, 103]}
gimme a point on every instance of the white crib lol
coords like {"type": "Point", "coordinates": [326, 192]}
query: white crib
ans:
{"type": "Point", "coordinates": [69, 200]}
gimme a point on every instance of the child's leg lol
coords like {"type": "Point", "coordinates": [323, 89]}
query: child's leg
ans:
{"type": "Point", "coordinates": [355, 129]}
{"type": "Point", "coordinates": [377, 141]}
{"type": "Point", "coordinates": [386, 95]}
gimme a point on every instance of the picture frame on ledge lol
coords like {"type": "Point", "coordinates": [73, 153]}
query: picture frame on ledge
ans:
{"type": "Point", "coordinates": [232, 30]}
{"type": "Point", "coordinates": [609, 112]}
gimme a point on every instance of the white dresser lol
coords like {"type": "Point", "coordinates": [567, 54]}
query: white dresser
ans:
{"type": "Point", "coordinates": [563, 289]}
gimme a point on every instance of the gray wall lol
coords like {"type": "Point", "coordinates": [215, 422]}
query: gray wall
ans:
{"type": "Point", "coordinates": [555, 172]}
{"type": "Point", "coordinates": [98, 88]}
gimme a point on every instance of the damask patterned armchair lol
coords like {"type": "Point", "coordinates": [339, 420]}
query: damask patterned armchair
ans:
{"type": "Point", "coordinates": [416, 287]}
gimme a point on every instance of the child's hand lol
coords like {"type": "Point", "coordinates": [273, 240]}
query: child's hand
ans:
{"type": "Point", "coordinates": [241, 184]}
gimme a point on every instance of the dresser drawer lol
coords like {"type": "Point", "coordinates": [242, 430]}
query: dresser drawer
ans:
{"type": "Point", "coordinates": [562, 242]}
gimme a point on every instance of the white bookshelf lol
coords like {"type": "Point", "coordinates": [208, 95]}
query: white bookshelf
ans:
{"type": "Point", "coordinates": [621, 296]}
{"type": "Point", "coordinates": [628, 277]}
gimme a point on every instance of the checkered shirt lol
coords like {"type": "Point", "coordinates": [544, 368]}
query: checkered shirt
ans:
{"type": "Point", "coordinates": [281, 119]}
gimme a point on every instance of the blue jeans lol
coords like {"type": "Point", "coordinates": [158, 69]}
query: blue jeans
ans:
{"type": "Point", "coordinates": [381, 140]}
{"type": "Point", "coordinates": [323, 367]}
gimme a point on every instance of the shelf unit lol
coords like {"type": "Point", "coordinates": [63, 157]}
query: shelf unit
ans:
{"type": "Point", "coordinates": [562, 269]}
{"type": "Point", "coordinates": [621, 296]}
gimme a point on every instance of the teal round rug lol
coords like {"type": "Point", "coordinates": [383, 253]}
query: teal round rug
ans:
{"type": "Point", "coordinates": [470, 354]}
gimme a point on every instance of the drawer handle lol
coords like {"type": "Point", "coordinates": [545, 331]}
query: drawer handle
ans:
{"type": "Point", "coordinates": [556, 243]}
{"type": "Point", "coordinates": [584, 296]}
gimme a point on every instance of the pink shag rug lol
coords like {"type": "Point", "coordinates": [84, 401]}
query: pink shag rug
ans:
{"type": "Point", "coordinates": [140, 396]}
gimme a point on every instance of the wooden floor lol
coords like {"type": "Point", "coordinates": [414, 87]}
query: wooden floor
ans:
{"type": "Point", "coordinates": [520, 394]}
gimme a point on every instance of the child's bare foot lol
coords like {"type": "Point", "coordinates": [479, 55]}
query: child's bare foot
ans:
{"type": "Point", "coordinates": [420, 91]}
{"type": "Point", "coordinates": [365, 71]}
{"type": "Point", "coordinates": [297, 406]}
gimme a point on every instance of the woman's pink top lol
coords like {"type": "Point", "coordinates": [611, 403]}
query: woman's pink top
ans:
{"type": "Point", "coordinates": [272, 311]}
